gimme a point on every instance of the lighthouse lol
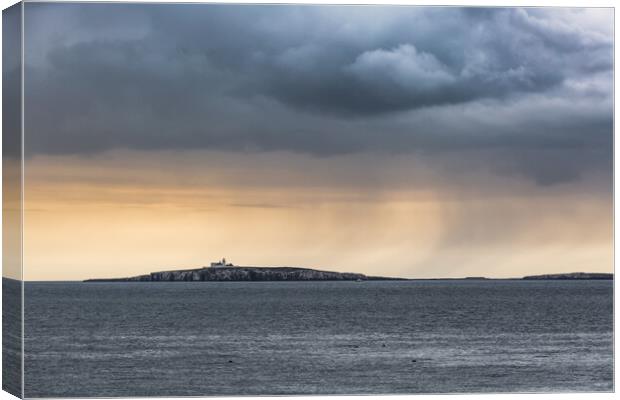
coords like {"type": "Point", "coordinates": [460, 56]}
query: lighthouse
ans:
{"type": "Point", "coordinates": [220, 264]}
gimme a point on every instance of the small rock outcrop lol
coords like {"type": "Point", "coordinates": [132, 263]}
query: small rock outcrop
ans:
{"type": "Point", "coordinates": [571, 276]}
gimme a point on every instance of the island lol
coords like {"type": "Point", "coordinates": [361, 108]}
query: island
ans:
{"type": "Point", "coordinates": [572, 276]}
{"type": "Point", "coordinates": [223, 271]}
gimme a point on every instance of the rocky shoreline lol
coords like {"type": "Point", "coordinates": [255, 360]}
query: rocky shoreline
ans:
{"type": "Point", "coordinates": [571, 276]}
{"type": "Point", "coordinates": [264, 274]}
{"type": "Point", "coordinates": [236, 274]}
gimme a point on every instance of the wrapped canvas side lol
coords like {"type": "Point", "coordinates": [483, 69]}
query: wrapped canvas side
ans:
{"type": "Point", "coordinates": [12, 189]}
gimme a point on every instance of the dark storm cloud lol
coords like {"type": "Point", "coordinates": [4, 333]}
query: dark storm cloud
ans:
{"type": "Point", "coordinates": [322, 80]}
{"type": "Point", "coordinates": [11, 78]}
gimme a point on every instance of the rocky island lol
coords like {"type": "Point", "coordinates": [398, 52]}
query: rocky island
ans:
{"type": "Point", "coordinates": [571, 276]}
{"type": "Point", "coordinates": [222, 271]}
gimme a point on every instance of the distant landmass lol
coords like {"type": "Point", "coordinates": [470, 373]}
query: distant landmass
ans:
{"type": "Point", "coordinates": [222, 271]}
{"type": "Point", "coordinates": [233, 273]}
{"type": "Point", "coordinates": [571, 276]}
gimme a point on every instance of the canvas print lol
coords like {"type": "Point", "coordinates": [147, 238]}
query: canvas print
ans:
{"type": "Point", "coordinates": [229, 199]}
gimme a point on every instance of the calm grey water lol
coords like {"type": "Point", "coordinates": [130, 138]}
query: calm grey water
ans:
{"type": "Point", "coordinates": [156, 339]}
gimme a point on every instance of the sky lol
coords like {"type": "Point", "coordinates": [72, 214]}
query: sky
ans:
{"type": "Point", "coordinates": [417, 142]}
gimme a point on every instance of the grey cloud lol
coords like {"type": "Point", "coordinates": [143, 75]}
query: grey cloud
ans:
{"type": "Point", "coordinates": [321, 80]}
{"type": "Point", "coordinates": [11, 78]}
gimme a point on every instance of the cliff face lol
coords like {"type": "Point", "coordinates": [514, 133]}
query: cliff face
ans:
{"type": "Point", "coordinates": [242, 274]}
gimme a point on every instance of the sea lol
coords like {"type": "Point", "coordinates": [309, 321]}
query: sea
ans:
{"type": "Point", "coordinates": [300, 338]}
